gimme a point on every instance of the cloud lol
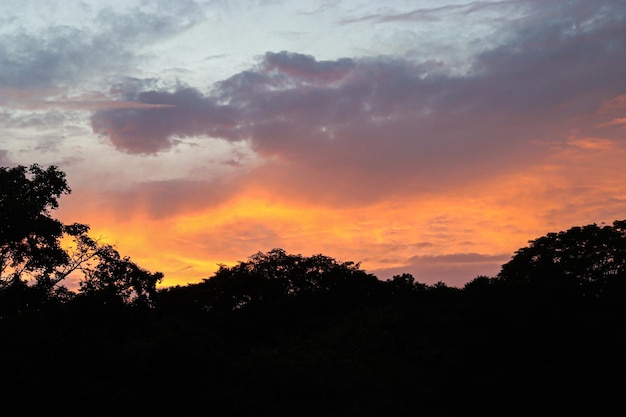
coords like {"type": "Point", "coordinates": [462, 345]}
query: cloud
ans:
{"type": "Point", "coordinates": [4, 159]}
{"type": "Point", "coordinates": [377, 126]}
{"type": "Point", "coordinates": [33, 99]}
{"type": "Point", "coordinates": [615, 103]}
{"type": "Point", "coordinates": [185, 112]}
{"type": "Point", "coordinates": [436, 13]}
{"type": "Point", "coordinates": [160, 199]}
{"type": "Point", "coordinates": [28, 60]}
{"type": "Point", "coordinates": [307, 68]}
{"type": "Point", "coordinates": [615, 122]}
{"type": "Point", "coordinates": [60, 55]}
{"type": "Point", "coordinates": [148, 23]}
{"type": "Point", "coordinates": [355, 156]}
{"type": "Point", "coordinates": [454, 269]}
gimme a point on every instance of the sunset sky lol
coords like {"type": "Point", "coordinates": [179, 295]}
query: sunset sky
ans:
{"type": "Point", "coordinates": [432, 137]}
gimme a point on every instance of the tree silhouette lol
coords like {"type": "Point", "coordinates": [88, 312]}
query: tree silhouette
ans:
{"type": "Point", "coordinates": [117, 278]}
{"type": "Point", "coordinates": [278, 275]}
{"type": "Point", "coordinates": [589, 260]}
{"type": "Point", "coordinates": [30, 245]}
{"type": "Point", "coordinates": [286, 334]}
{"type": "Point", "coordinates": [33, 259]}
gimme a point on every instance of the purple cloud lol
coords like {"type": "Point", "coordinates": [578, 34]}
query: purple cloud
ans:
{"type": "Point", "coordinates": [306, 68]}
{"type": "Point", "coordinates": [185, 112]}
{"type": "Point", "coordinates": [380, 125]}
{"type": "Point", "coordinates": [454, 269]}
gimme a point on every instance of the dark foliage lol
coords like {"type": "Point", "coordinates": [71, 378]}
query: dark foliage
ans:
{"type": "Point", "coordinates": [289, 335]}
{"type": "Point", "coordinates": [34, 262]}
{"type": "Point", "coordinates": [29, 236]}
{"type": "Point", "coordinates": [586, 261]}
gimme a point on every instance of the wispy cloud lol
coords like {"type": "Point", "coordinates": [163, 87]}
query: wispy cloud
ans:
{"type": "Point", "coordinates": [57, 99]}
{"type": "Point", "coordinates": [64, 56]}
{"type": "Point", "coordinates": [436, 13]}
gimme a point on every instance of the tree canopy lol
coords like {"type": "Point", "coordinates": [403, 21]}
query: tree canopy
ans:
{"type": "Point", "coordinates": [29, 235]}
{"type": "Point", "coordinates": [279, 275]}
{"type": "Point", "coordinates": [34, 260]}
{"type": "Point", "coordinates": [591, 259]}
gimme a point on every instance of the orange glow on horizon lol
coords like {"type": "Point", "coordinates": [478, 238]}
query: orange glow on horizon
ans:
{"type": "Point", "coordinates": [189, 247]}
{"type": "Point", "coordinates": [491, 218]}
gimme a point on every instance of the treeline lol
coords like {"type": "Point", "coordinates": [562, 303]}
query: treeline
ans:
{"type": "Point", "coordinates": [284, 334]}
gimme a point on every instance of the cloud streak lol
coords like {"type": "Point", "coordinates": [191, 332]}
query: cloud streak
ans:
{"type": "Point", "coordinates": [437, 13]}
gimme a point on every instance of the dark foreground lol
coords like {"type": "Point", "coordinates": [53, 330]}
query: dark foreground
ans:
{"type": "Point", "coordinates": [365, 350]}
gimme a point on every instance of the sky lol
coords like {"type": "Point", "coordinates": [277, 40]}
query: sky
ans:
{"type": "Point", "coordinates": [430, 137]}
